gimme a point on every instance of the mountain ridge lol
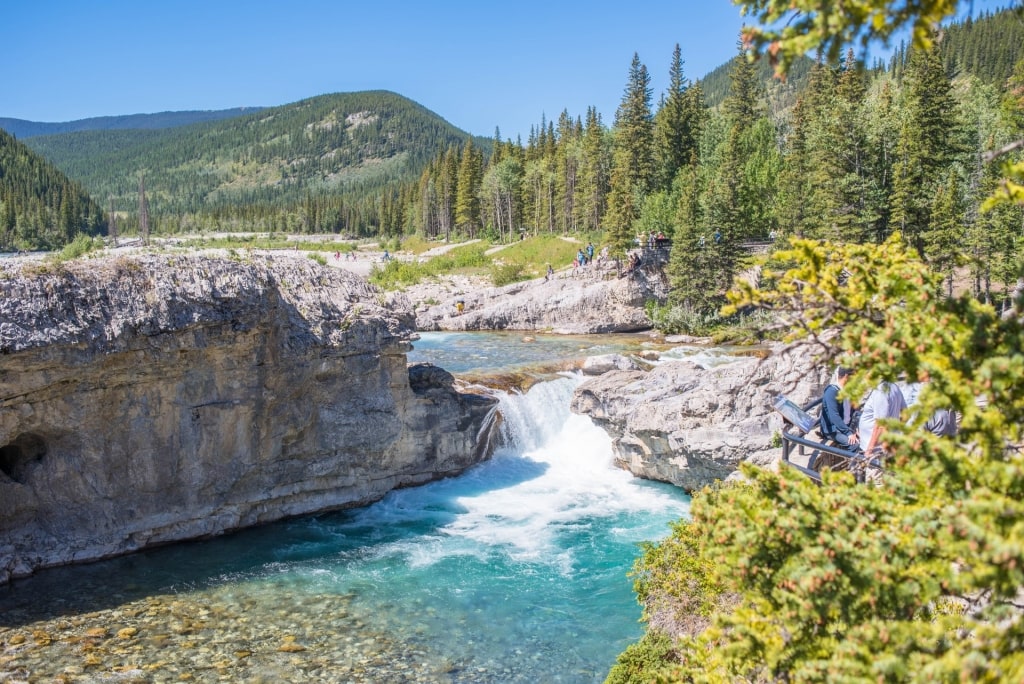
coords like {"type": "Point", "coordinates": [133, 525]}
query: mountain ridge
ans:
{"type": "Point", "coordinates": [24, 128]}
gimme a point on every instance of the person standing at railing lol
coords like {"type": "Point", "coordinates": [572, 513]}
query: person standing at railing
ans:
{"type": "Point", "coordinates": [834, 426]}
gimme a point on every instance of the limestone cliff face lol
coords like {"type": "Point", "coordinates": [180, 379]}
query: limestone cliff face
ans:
{"type": "Point", "coordinates": [688, 425]}
{"type": "Point", "coordinates": [157, 398]}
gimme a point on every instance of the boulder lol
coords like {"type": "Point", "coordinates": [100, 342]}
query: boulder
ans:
{"type": "Point", "coordinates": [599, 365]}
{"type": "Point", "coordinates": [157, 398]}
{"type": "Point", "coordinates": [690, 426]}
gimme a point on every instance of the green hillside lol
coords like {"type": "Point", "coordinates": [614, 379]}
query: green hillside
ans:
{"type": "Point", "coordinates": [780, 95]}
{"type": "Point", "coordinates": [39, 206]}
{"type": "Point", "coordinates": [318, 165]}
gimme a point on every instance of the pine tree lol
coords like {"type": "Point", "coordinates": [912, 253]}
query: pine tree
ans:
{"type": "Point", "coordinates": [467, 206]}
{"type": "Point", "coordinates": [925, 147]}
{"type": "Point", "coordinates": [593, 174]}
{"type": "Point", "coordinates": [945, 235]}
{"type": "Point", "coordinates": [676, 125]}
{"type": "Point", "coordinates": [633, 166]}
{"type": "Point", "coordinates": [143, 211]}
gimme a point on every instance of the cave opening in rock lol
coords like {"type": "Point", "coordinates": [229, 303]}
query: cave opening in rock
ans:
{"type": "Point", "coordinates": [17, 457]}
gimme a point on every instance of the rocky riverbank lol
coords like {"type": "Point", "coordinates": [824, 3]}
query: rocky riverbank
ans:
{"type": "Point", "coordinates": [593, 300]}
{"type": "Point", "coordinates": [689, 425]}
{"type": "Point", "coordinates": [152, 398]}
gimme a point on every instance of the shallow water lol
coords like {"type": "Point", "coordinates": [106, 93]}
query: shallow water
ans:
{"type": "Point", "coordinates": [513, 572]}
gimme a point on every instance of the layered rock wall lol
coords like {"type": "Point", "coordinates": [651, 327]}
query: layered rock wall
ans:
{"type": "Point", "coordinates": [158, 398]}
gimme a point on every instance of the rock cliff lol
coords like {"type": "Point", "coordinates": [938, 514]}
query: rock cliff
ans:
{"type": "Point", "coordinates": [689, 425]}
{"type": "Point", "coordinates": [595, 301]}
{"type": "Point", "coordinates": [156, 398]}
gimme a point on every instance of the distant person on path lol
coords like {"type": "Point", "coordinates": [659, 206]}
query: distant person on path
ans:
{"type": "Point", "coordinates": [549, 274]}
{"type": "Point", "coordinates": [581, 257]}
{"type": "Point", "coordinates": [590, 251]}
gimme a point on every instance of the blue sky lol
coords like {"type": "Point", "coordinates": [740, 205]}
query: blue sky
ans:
{"type": "Point", "coordinates": [480, 65]}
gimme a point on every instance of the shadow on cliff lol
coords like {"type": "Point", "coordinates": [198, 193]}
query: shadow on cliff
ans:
{"type": "Point", "coordinates": [262, 552]}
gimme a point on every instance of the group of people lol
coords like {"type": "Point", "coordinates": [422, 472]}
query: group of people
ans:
{"type": "Point", "coordinates": [584, 255]}
{"type": "Point", "coordinates": [651, 240]}
{"type": "Point", "coordinates": [858, 429]}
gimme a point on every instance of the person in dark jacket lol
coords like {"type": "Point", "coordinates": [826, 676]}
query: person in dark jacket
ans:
{"type": "Point", "coordinates": [833, 425]}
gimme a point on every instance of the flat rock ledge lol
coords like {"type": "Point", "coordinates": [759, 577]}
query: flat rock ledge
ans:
{"type": "Point", "coordinates": [154, 398]}
{"type": "Point", "coordinates": [688, 425]}
{"type": "Point", "coordinates": [594, 301]}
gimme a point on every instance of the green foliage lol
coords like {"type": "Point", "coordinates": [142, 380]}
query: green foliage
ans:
{"type": "Point", "coordinates": [677, 319]}
{"type": "Point", "coordinates": [915, 579]}
{"type": "Point", "coordinates": [81, 245]}
{"type": "Point", "coordinates": [633, 163]}
{"type": "Point", "coordinates": [318, 258]}
{"type": "Point", "coordinates": [396, 273]}
{"type": "Point", "coordinates": [643, 661]}
{"type": "Point", "coordinates": [535, 253]}
{"type": "Point", "coordinates": [790, 29]}
{"type": "Point", "coordinates": [22, 129]}
{"type": "Point", "coordinates": [505, 274]}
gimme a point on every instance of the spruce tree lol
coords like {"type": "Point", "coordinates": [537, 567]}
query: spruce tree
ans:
{"type": "Point", "coordinates": [467, 206]}
{"type": "Point", "coordinates": [633, 166]}
{"type": "Point", "coordinates": [593, 173]}
{"type": "Point", "coordinates": [925, 146]}
{"type": "Point", "coordinates": [676, 125]}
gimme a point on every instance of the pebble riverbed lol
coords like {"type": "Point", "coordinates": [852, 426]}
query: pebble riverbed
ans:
{"type": "Point", "coordinates": [222, 634]}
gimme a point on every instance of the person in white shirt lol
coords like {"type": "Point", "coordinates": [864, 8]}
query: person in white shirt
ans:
{"type": "Point", "coordinates": [885, 401]}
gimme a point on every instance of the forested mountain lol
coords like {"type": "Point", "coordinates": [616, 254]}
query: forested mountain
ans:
{"type": "Point", "coordinates": [22, 129]}
{"type": "Point", "coordinates": [781, 95]}
{"type": "Point", "coordinates": [987, 47]}
{"type": "Point", "coordinates": [39, 206]}
{"type": "Point", "coordinates": [333, 163]}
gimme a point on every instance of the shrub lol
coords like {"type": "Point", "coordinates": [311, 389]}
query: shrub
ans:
{"type": "Point", "coordinates": [642, 661]}
{"type": "Point", "coordinates": [503, 274]}
{"type": "Point", "coordinates": [81, 245]}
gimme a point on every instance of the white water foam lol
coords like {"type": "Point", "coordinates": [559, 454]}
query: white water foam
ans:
{"type": "Point", "coordinates": [555, 476]}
